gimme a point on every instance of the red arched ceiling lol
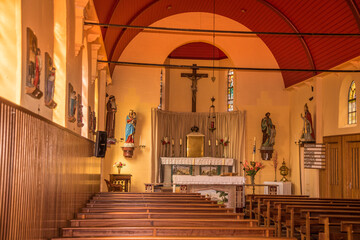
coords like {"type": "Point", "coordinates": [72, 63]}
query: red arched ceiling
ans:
{"type": "Point", "coordinates": [198, 50]}
{"type": "Point", "coordinates": [317, 16]}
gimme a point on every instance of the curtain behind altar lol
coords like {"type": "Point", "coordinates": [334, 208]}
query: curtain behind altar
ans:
{"type": "Point", "coordinates": [175, 125]}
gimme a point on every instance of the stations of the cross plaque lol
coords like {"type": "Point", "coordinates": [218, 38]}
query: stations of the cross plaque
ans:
{"type": "Point", "coordinates": [194, 77]}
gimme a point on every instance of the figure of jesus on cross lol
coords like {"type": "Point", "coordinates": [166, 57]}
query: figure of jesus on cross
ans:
{"type": "Point", "coordinates": [194, 77]}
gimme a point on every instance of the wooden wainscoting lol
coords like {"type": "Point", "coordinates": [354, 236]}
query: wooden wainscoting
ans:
{"type": "Point", "coordinates": [341, 178]}
{"type": "Point", "coordinates": [46, 174]}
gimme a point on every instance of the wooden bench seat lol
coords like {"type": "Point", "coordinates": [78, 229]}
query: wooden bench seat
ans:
{"type": "Point", "coordinates": [166, 231]}
{"type": "Point", "coordinates": [150, 197]}
{"type": "Point", "coordinates": [145, 222]}
{"type": "Point", "coordinates": [131, 215]}
{"type": "Point", "coordinates": [176, 200]}
{"type": "Point", "coordinates": [183, 205]}
{"type": "Point", "coordinates": [158, 209]}
{"type": "Point", "coordinates": [174, 238]}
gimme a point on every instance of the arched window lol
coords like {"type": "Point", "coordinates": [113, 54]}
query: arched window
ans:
{"type": "Point", "coordinates": [230, 90]}
{"type": "Point", "coordinates": [352, 104]}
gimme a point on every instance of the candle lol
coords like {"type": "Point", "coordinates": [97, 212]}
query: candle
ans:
{"type": "Point", "coordinates": [216, 142]}
{"type": "Point", "coordinates": [193, 161]}
{"type": "Point", "coordinates": [180, 141]}
{"type": "Point", "coordinates": [209, 142]}
{"type": "Point", "coordinates": [174, 188]}
{"type": "Point", "coordinates": [172, 142]}
{"type": "Point", "coordinates": [254, 150]}
{"type": "Point", "coordinates": [223, 161]}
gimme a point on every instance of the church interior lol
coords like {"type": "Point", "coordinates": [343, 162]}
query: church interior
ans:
{"type": "Point", "coordinates": [179, 119]}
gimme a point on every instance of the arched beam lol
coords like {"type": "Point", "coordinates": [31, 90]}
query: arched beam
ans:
{"type": "Point", "coordinates": [293, 27]}
{"type": "Point", "coordinates": [129, 23]}
{"type": "Point", "coordinates": [355, 11]}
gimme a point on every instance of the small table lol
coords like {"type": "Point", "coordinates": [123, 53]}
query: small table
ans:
{"type": "Point", "coordinates": [123, 179]}
{"type": "Point", "coordinates": [284, 188]}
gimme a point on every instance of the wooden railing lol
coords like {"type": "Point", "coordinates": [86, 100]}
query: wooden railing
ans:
{"type": "Point", "coordinates": [46, 174]}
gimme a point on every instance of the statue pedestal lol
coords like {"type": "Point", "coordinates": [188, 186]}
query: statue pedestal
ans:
{"type": "Point", "coordinates": [128, 151]}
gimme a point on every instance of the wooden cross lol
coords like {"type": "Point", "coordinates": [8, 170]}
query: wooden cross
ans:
{"type": "Point", "coordinates": [194, 77]}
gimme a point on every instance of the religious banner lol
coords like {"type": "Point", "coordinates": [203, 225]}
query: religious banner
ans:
{"type": "Point", "coordinates": [33, 66]}
{"type": "Point", "coordinates": [80, 114]}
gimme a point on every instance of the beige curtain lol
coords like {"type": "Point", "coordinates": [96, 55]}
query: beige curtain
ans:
{"type": "Point", "coordinates": [176, 125]}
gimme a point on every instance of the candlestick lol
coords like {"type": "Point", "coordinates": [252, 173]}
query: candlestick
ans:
{"type": "Point", "coordinates": [209, 142]}
{"type": "Point", "coordinates": [216, 142]}
{"type": "Point", "coordinates": [180, 141]}
{"type": "Point", "coordinates": [172, 142]}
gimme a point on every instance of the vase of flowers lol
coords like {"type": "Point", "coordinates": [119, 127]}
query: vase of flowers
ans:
{"type": "Point", "coordinates": [119, 166]}
{"type": "Point", "coordinates": [251, 170]}
{"type": "Point", "coordinates": [224, 142]}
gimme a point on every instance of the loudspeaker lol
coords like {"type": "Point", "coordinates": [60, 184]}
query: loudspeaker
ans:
{"type": "Point", "coordinates": [100, 145]}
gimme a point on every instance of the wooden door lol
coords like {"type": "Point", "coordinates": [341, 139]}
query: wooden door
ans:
{"type": "Point", "coordinates": [351, 166]}
{"type": "Point", "coordinates": [331, 184]}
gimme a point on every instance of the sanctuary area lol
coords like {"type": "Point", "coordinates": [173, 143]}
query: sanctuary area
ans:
{"type": "Point", "coordinates": [179, 119]}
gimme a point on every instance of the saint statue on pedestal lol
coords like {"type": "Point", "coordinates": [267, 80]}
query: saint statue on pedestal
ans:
{"type": "Point", "coordinates": [308, 134]}
{"type": "Point", "coordinates": [110, 117]}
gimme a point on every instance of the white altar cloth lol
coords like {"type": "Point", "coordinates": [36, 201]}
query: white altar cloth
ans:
{"type": "Point", "coordinates": [208, 180]}
{"type": "Point", "coordinates": [197, 161]}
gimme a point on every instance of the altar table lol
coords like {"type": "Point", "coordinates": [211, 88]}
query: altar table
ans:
{"type": "Point", "coordinates": [234, 186]}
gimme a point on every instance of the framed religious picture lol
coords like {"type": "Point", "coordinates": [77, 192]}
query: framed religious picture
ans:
{"type": "Point", "coordinates": [94, 122]}
{"type": "Point", "coordinates": [49, 82]}
{"type": "Point", "coordinates": [80, 114]}
{"type": "Point", "coordinates": [33, 66]}
{"type": "Point", "coordinates": [71, 103]}
{"type": "Point", "coordinates": [210, 170]}
{"type": "Point", "coordinates": [90, 120]}
{"type": "Point", "coordinates": [182, 170]}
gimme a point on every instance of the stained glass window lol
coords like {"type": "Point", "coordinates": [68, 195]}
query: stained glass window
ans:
{"type": "Point", "coordinates": [230, 90]}
{"type": "Point", "coordinates": [352, 104]}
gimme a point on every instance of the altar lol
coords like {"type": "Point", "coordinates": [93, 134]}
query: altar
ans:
{"type": "Point", "coordinates": [229, 190]}
{"type": "Point", "coordinates": [203, 166]}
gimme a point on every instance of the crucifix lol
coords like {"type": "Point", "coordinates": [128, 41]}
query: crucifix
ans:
{"type": "Point", "coordinates": [194, 77]}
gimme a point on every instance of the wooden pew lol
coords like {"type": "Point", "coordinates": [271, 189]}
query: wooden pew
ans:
{"type": "Point", "coordinates": [132, 215]}
{"type": "Point", "coordinates": [183, 205]}
{"type": "Point", "coordinates": [172, 238]}
{"type": "Point", "coordinates": [331, 226]}
{"type": "Point", "coordinates": [167, 231]}
{"type": "Point", "coordinates": [312, 217]}
{"type": "Point", "coordinates": [158, 209]}
{"type": "Point", "coordinates": [275, 207]}
{"type": "Point", "coordinates": [253, 200]}
{"type": "Point", "coordinates": [176, 200]}
{"type": "Point", "coordinates": [145, 222]}
{"type": "Point", "coordinates": [351, 228]}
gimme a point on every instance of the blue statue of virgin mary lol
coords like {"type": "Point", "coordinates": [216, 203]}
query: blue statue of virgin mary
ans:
{"type": "Point", "coordinates": [130, 127]}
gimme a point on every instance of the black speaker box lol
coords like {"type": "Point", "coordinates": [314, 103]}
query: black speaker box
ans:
{"type": "Point", "coordinates": [100, 145]}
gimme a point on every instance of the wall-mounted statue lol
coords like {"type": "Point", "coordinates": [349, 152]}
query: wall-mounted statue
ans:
{"type": "Point", "coordinates": [268, 139]}
{"type": "Point", "coordinates": [49, 82]}
{"type": "Point", "coordinates": [129, 146]}
{"type": "Point", "coordinates": [71, 103]}
{"type": "Point", "coordinates": [110, 119]}
{"type": "Point", "coordinates": [33, 66]}
{"type": "Point", "coordinates": [308, 134]}
{"type": "Point", "coordinates": [130, 127]}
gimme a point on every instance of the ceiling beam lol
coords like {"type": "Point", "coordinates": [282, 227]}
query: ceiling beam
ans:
{"type": "Point", "coordinates": [226, 68]}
